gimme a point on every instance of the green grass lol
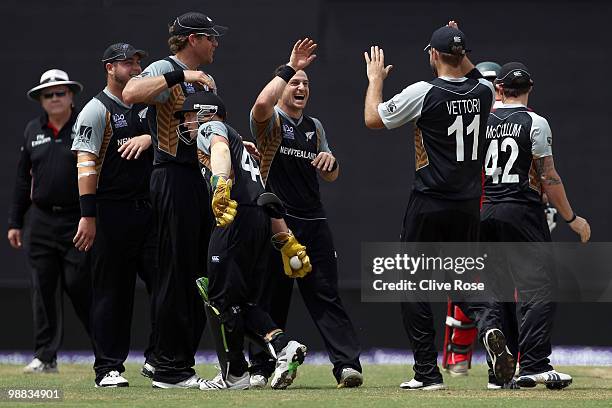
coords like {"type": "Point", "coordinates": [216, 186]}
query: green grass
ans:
{"type": "Point", "coordinates": [315, 387]}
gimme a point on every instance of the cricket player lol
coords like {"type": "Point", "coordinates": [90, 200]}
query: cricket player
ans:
{"type": "Point", "coordinates": [239, 248]}
{"type": "Point", "coordinates": [179, 195]}
{"type": "Point", "coordinates": [519, 167]}
{"type": "Point", "coordinates": [114, 162]}
{"type": "Point", "coordinates": [295, 154]}
{"type": "Point", "coordinates": [445, 202]}
{"type": "Point", "coordinates": [461, 331]}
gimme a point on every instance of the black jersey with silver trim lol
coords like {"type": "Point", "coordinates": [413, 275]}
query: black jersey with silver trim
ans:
{"type": "Point", "coordinates": [449, 117]}
{"type": "Point", "coordinates": [515, 136]}
{"type": "Point", "coordinates": [247, 182]}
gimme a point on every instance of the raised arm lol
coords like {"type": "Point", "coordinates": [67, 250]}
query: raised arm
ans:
{"type": "Point", "coordinates": [301, 57]}
{"type": "Point", "coordinates": [377, 72]}
{"type": "Point", "coordinates": [157, 78]}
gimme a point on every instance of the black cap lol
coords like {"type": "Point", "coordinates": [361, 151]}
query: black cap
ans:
{"type": "Point", "coordinates": [448, 40]}
{"type": "Point", "coordinates": [196, 23]}
{"type": "Point", "coordinates": [206, 102]}
{"type": "Point", "coordinates": [514, 75]}
{"type": "Point", "coordinates": [121, 52]}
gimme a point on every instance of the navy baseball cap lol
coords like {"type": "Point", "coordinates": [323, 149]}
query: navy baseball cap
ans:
{"type": "Point", "coordinates": [514, 75]}
{"type": "Point", "coordinates": [194, 22]}
{"type": "Point", "coordinates": [448, 40]}
{"type": "Point", "coordinates": [121, 52]}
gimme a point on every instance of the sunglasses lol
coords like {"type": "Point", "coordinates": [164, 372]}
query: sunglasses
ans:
{"type": "Point", "coordinates": [50, 95]}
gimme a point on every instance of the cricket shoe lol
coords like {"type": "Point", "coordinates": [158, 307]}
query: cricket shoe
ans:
{"type": "Point", "coordinates": [502, 360]}
{"type": "Point", "coordinates": [112, 379]}
{"type": "Point", "coordinates": [350, 378]}
{"type": "Point", "coordinates": [147, 370]}
{"type": "Point", "coordinates": [459, 369]}
{"type": "Point", "coordinates": [192, 382]}
{"type": "Point", "coordinates": [552, 379]}
{"type": "Point", "coordinates": [258, 381]}
{"type": "Point", "coordinates": [413, 385]}
{"type": "Point", "coordinates": [287, 363]}
{"type": "Point", "coordinates": [232, 382]}
{"type": "Point", "coordinates": [512, 385]}
{"type": "Point", "coordinates": [38, 367]}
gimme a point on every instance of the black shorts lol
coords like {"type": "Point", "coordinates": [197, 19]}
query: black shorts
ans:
{"type": "Point", "coordinates": [430, 219]}
{"type": "Point", "coordinates": [513, 222]}
{"type": "Point", "coordinates": [237, 258]}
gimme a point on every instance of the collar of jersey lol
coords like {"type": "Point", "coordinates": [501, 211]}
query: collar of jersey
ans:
{"type": "Point", "coordinates": [114, 98]}
{"type": "Point", "coordinates": [178, 61]}
{"type": "Point", "coordinates": [449, 79]}
{"type": "Point", "coordinates": [512, 105]}
{"type": "Point", "coordinates": [289, 118]}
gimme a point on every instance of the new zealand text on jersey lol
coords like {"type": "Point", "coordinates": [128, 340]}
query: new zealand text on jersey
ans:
{"type": "Point", "coordinates": [461, 106]}
{"type": "Point", "coordinates": [289, 151]}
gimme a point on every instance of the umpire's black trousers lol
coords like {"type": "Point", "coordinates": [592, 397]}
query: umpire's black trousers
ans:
{"type": "Point", "coordinates": [182, 213]}
{"type": "Point", "coordinates": [319, 290]}
{"type": "Point", "coordinates": [125, 245]}
{"type": "Point", "coordinates": [54, 260]}
{"type": "Point", "coordinates": [530, 273]}
{"type": "Point", "coordinates": [430, 219]}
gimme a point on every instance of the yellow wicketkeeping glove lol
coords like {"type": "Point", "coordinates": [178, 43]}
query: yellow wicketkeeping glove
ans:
{"type": "Point", "coordinates": [224, 208]}
{"type": "Point", "coordinates": [295, 260]}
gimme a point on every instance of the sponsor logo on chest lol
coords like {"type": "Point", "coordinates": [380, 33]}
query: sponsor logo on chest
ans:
{"type": "Point", "coordinates": [40, 139]}
{"type": "Point", "coordinates": [288, 132]}
{"type": "Point", "coordinates": [119, 120]}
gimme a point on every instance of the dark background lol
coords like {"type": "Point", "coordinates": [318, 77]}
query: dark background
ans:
{"type": "Point", "coordinates": [564, 44]}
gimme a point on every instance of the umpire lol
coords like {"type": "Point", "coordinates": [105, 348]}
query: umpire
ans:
{"type": "Point", "coordinates": [179, 195]}
{"type": "Point", "coordinates": [46, 178]}
{"type": "Point", "coordinates": [114, 162]}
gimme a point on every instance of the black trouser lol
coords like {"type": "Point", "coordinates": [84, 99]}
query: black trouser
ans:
{"type": "Point", "coordinates": [429, 219]}
{"type": "Point", "coordinates": [237, 266]}
{"type": "Point", "coordinates": [181, 210]}
{"type": "Point", "coordinates": [319, 291]}
{"type": "Point", "coordinates": [532, 276]}
{"type": "Point", "coordinates": [124, 247]}
{"type": "Point", "coordinates": [53, 259]}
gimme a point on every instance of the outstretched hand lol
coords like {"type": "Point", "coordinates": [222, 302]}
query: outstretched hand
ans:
{"type": "Point", "coordinates": [375, 64]}
{"type": "Point", "coordinates": [302, 54]}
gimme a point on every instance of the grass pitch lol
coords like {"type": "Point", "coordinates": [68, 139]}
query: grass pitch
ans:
{"type": "Point", "coordinates": [314, 387]}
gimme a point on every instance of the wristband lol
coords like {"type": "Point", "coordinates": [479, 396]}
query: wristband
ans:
{"type": "Point", "coordinates": [286, 73]}
{"type": "Point", "coordinates": [571, 219]}
{"type": "Point", "coordinates": [88, 205]}
{"type": "Point", "coordinates": [174, 77]}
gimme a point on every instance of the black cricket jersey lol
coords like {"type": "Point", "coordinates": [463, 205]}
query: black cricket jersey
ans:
{"type": "Point", "coordinates": [288, 146]}
{"type": "Point", "coordinates": [450, 117]}
{"type": "Point", "coordinates": [515, 136]}
{"type": "Point", "coordinates": [103, 126]}
{"type": "Point", "coordinates": [168, 146]}
{"type": "Point", "coordinates": [247, 183]}
{"type": "Point", "coordinates": [46, 173]}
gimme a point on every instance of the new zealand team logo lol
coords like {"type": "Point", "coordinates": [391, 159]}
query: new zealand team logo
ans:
{"type": "Point", "coordinates": [309, 136]}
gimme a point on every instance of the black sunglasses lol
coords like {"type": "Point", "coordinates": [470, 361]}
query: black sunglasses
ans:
{"type": "Point", "coordinates": [49, 95]}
